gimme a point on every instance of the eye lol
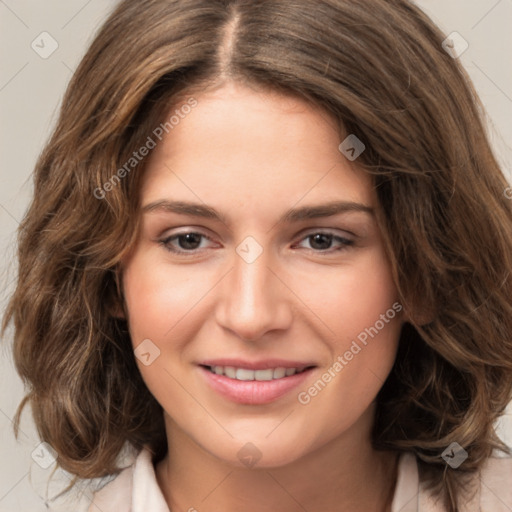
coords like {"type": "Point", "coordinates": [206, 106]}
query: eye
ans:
{"type": "Point", "coordinates": [186, 242]}
{"type": "Point", "coordinates": [322, 241]}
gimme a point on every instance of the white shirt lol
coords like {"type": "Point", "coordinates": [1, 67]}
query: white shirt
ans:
{"type": "Point", "coordinates": [136, 489]}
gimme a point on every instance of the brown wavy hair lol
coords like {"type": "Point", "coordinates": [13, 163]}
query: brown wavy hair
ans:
{"type": "Point", "coordinates": [378, 67]}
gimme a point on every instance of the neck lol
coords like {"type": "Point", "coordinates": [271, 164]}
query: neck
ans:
{"type": "Point", "coordinates": [345, 475]}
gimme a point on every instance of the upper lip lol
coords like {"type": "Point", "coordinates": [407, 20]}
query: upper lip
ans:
{"type": "Point", "coordinates": [257, 365]}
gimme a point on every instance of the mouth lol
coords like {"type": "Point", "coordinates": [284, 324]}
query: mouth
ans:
{"type": "Point", "coordinates": [254, 384]}
{"type": "Point", "coordinates": [247, 374]}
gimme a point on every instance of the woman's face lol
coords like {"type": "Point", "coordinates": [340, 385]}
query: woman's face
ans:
{"type": "Point", "coordinates": [260, 299]}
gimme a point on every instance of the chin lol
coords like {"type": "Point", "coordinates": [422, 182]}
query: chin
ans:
{"type": "Point", "coordinates": [257, 451]}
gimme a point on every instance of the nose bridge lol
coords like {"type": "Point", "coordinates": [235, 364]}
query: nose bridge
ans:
{"type": "Point", "coordinates": [250, 282]}
{"type": "Point", "coordinates": [252, 301]}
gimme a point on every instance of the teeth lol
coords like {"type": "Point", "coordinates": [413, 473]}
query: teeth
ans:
{"type": "Point", "coordinates": [279, 373]}
{"type": "Point", "coordinates": [230, 372]}
{"type": "Point", "coordinates": [243, 374]}
{"type": "Point", "coordinates": [264, 374]}
{"type": "Point", "coordinates": [260, 375]}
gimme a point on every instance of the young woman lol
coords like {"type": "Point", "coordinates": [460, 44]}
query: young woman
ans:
{"type": "Point", "coordinates": [270, 250]}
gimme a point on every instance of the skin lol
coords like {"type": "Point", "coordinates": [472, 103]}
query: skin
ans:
{"type": "Point", "coordinates": [253, 155]}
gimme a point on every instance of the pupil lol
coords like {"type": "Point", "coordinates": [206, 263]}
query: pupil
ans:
{"type": "Point", "coordinates": [321, 241]}
{"type": "Point", "coordinates": [190, 240]}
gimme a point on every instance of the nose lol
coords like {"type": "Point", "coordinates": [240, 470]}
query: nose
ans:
{"type": "Point", "coordinates": [254, 301]}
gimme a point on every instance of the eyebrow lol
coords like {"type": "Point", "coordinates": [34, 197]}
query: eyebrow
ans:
{"type": "Point", "coordinates": [292, 215]}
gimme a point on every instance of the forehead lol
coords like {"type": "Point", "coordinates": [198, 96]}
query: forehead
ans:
{"type": "Point", "coordinates": [250, 148]}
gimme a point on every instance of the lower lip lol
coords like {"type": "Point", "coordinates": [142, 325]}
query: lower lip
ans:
{"type": "Point", "coordinates": [253, 392]}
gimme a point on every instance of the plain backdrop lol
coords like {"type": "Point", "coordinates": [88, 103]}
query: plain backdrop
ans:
{"type": "Point", "coordinates": [31, 88]}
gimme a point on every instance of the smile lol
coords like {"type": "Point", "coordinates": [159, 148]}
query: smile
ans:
{"type": "Point", "coordinates": [262, 384]}
{"type": "Point", "coordinates": [246, 374]}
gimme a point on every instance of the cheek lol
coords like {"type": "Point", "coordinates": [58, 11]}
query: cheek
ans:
{"type": "Point", "coordinates": [160, 301]}
{"type": "Point", "coordinates": [157, 297]}
{"type": "Point", "coordinates": [361, 311]}
{"type": "Point", "coordinates": [370, 294]}
{"type": "Point", "coordinates": [353, 299]}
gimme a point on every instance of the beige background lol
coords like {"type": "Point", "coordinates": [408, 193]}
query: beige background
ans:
{"type": "Point", "coordinates": [30, 91]}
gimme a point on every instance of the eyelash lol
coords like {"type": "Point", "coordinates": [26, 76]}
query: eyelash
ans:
{"type": "Point", "coordinates": [345, 242]}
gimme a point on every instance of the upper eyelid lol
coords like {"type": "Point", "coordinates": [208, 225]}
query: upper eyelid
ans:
{"type": "Point", "coordinates": [300, 237]}
{"type": "Point", "coordinates": [184, 231]}
{"type": "Point", "coordinates": [331, 231]}
{"type": "Point", "coordinates": [165, 238]}
{"type": "Point", "coordinates": [166, 242]}
{"type": "Point", "coordinates": [350, 241]}
{"type": "Point", "coordinates": [302, 234]}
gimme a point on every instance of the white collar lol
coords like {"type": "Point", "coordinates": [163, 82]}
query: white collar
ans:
{"type": "Point", "coordinates": [136, 488]}
{"type": "Point", "coordinates": [146, 493]}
